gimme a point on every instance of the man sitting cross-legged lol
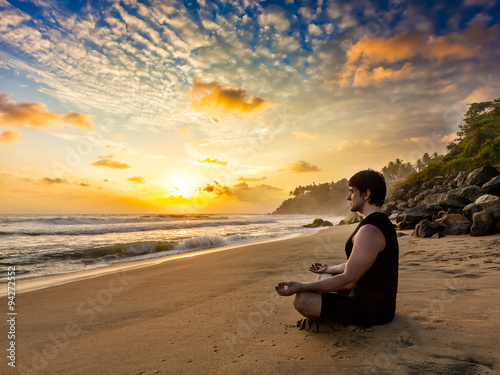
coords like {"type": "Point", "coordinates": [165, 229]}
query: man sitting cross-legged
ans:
{"type": "Point", "coordinates": [362, 290]}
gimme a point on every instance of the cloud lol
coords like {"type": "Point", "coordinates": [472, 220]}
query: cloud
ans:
{"type": "Point", "coordinates": [37, 115]}
{"type": "Point", "coordinates": [482, 94]}
{"type": "Point", "coordinates": [139, 180]}
{"type": "Point", "coordinates": [366, 57]}
{"type": "Point", "coordinates": [212, 161]}
{"type": "Point", "coordinates": [220, 191]}
{"type": "Point", "coordinates": [249, 179]}
{"type": "Point", "coordinates": [106, 157]}
{"type": "Point", "coordinates": [216, 99]}
{"type": "Point", "coordinates": [245, 193]}
{"type": "Point", "coordinates": [54, 181]}
{"type": "Point", "coordinates": [304, 135]}
{"type": "Point", "coordinates": [10, 136]}
{"type": "Point", "coordinates": [274, 16]}
{"type": "Point", "coordinates": [364, 77]}
{"type": "Point", "coordinates": [301, 166]}
{"type": "Point", "coordinates": [110, 164]}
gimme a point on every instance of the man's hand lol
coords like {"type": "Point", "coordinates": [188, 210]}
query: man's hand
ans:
{"type": "Point", "coordinates": [319, 267]}
{"type": "Point", "coordinates": [288, 288]}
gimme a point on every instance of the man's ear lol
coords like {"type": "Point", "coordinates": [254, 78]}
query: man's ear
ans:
{"type": "Point", "coordinates": [367, 194]}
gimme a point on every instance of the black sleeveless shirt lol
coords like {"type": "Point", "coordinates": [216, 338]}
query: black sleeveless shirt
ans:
{"type": "Point", "coordinates": [379, 285]}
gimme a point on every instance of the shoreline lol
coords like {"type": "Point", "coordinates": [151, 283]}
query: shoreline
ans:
{"type": "Point", "coordinates": [34, 283]}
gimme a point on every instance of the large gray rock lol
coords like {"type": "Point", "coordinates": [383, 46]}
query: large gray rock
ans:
{"type": "Point", "coordinates": [490, 203]}
{"type": "Point", "coordinates": [481, 175]}
{"type": "Point", "coordinates": [389, 207]}
{"type": "Point", "coordinates": [492, 186]}
{"type": "Point", "coordinates": [426, 228]}
{"type": "Point", "coordinates": [470, 193]}
{"type": "Point", "coordinates": [351, 219]}
{"type": "Point", "coordinates": [454, 224]}
{"type": "Point", "coordinates": [460, 179]}
{"type": "Point", "coordinates": [470, 210]}
{"type": "Point", "coordinates": [446, 200]}
{"type": "Point", "coordinates": [483, 223]}
{"type": "Point", "coordinates": [412, 216]}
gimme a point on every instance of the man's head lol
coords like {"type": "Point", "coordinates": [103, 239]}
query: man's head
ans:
{"type": "Point", "coordinates": [370, 184]}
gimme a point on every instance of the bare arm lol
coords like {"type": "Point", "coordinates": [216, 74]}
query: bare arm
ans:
{"type": "Point", "coordinates": [368, 242]}
{"type": "Point", "coordinates": [323, 268]}
{"type": "Point", "coordinates": [335, 270]}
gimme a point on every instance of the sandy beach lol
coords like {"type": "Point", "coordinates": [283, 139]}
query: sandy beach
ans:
{"type": "Point", "coordinates": [218, 313]}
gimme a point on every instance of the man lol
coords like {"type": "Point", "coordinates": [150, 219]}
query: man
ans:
{"type": "Point", "coordinates": [362, 290]}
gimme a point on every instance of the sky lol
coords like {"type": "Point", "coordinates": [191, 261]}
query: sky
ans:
{"type": "Point", "coordinates": [226, 106]}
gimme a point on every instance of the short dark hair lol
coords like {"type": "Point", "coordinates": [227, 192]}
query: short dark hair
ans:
{"type": "Point", "coordinates": [373, 181]}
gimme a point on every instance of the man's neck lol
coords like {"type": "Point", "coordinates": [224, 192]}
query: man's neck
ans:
{"type": "Point", "coordinates": [369, 209]}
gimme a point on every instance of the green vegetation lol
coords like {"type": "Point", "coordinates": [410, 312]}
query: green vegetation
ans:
{"type": "Point", "coordinates": [477, 145]}
{"type": "Point", "coordinates": [328, 198]}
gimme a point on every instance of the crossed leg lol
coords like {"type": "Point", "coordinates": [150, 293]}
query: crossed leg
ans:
{"type": "Point", "coordinates": [309, 303]}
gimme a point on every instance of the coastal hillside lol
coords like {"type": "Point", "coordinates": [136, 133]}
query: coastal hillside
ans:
{"type": "Point", "coordinates": [477, 145]}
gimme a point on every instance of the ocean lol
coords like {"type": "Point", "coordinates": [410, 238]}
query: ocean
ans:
{"type": "Point", "coordinates": [39, 245]}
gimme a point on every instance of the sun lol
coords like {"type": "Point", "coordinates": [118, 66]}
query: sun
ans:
{"type": "Point", "coordinates": [181, 185]}
{"type": "Point", "coordinates": [184, 188]}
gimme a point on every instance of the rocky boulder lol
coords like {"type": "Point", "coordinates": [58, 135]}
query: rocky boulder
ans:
{"type": "Point", "coordinates": [454, 224]}
{"type": "Point", "coordinates": [492, 186]}
{"type": "Point", "coordinates": [483, 223]}
{"type": "Point", "coordinates": [446, 200]}
{"type": "Point", "coordinates": [460, 179]}
{"type": "Point", "coordinates": [469, 193]}
{"type": "Point", "coordinates": [388, 208]}
{"type": "Point", "coordinates": [318, 223]}
{"type": "Point", "coordinates": [481, 175]}
{"type": "Point", "coordinates": [412, 216]}
{"type": "Point", "coordinates": [470, 210]}
{"type": "Point", "coordinates": [426, 228]}
{"type": "Point", "coordinates": [490, 203]}
{"type": "Point", "coordinates": [353, 218]}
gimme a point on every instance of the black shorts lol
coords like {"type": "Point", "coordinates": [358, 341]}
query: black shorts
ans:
{"type": "Point", "coordinates": [347, 309]}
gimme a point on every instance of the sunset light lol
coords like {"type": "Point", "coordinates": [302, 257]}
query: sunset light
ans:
{"type": "Point", "coordinates": [132, 105]}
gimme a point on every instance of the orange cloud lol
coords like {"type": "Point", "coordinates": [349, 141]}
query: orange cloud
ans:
{"type": "Point", "coordinates": [218, 100]}
{"type": "Point", "coordinates": [10, 136]}
{"type": "Point", "coordinates": [110, 164]}
{"type": "Point", "coordinates": [364, 76]}
{"type": "Point", "coordinates": [212, 161]}
{"type": "Point", "coordinates": [37, 115]}
{"type": "Point", "coordinates": [52, 181]}
{"type": "Point", "coordinates": [302, 167]}
{"type": "Point", "coordinates": [366, 57]}
{"type": "Point", "coordinates": [139, 180]}
{"type": "Point", "coordinates": [249, 179]}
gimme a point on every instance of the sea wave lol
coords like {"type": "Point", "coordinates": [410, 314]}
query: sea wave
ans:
{"type": "Point", "coordinates": [124, 228]}
{"type": "Point", "coordinates": [97, 220]}
{"type": "Point", "coordinates": [127, 250]}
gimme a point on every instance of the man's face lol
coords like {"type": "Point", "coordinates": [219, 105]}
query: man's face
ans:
{"type": "Point", "coordinates": [355, 198]}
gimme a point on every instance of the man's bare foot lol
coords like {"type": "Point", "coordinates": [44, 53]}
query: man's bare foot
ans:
{"type": "Point", "coordinates": [308, 324]}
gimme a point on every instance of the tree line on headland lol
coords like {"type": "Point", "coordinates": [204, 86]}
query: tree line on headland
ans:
{"type": "Point", "coordinates": [477, 145]}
